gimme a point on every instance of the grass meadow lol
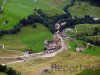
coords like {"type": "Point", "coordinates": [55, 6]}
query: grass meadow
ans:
{"type": "Point", "coordinates": [84, 9]}
{"type": "Point", "coordinates": [69, 58]}
{"type": "Point", "coordinates": [33, 38]}
{"type": "Point", "coordinates": [94, 50]}
{"type": "Point", "coordinates": [28, 38]}
{"type": "Point", "coordinates": [14, 10]}
{"type": "Point", "coordinates": [2, 73]}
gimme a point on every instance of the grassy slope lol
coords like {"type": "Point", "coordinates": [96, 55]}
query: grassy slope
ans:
{"type": "Point", "coordinates": [0, 3]}
{"type": "Point", "coordinates": [27, 38]}
{"type": "Point", "coordinates": [59, 4]}
{"type": "Point", "coordinates": [83, 28]}
{"type": "Point", "coordinates": [84, 9]}
{"type": "Point", "coordinates": [34, 67]}
{"type": "Point", "coordinates": [5, 53]}
{"type": "Point", "coordinates": [80, 28]}
{"type": "Point", "coordinates": [95, 50]}
{"type": "Point", "coordinates": [90, 72]}
{"type": "Point", "coordinates": [2, 73]}
{"type": "Point", "coordinates": [14, 10]}
{"type": "Point", "coordinates": [87, 27]}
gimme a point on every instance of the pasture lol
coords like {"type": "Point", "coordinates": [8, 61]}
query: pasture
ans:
{"type": "Point", "coordinates": [83, 28]}
{"type": "Point", "coordinates": [27, 38]}
{"type": "Point", "coordinates": [90, 72]}
{"type": "Point", "coordinates": [94, 50]}
{"type": "Point", "coordinates": [2, 73]}
{"type": "Point", "coordinates": [14, 10]}
{"type": "Point", "coordinates": [35, 66]}
{"type": "Point", "coordinates": [8, 53]}
{"type": "Point", "coordinates": [84, 8]}
{"type": "Point", "coordinates": [33, 38]}
{"type": "Point", "coordinates": [87, 28]}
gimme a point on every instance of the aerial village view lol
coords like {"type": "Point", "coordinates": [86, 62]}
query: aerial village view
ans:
{"type": "Point", "coordinates": [49, 37]}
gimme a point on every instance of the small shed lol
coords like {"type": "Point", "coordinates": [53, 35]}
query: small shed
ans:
{"type": "Point", "coordinates": [2, 46]}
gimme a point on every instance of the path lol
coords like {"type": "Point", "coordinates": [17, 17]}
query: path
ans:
{"type": "Point", "coordinates": [53, 54]}
{"type": "Point", "coordinates": [75, 28]}
{"type": "Point", "coordinates": [4, 1]}
{"type": "Point", "coordinates": [36, 55]}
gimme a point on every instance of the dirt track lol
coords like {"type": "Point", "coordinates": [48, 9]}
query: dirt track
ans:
{"type": "Point", "coordinates": [35, 55]}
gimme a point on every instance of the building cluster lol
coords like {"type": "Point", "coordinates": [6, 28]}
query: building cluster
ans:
{"type": "Point", "coordinates": [54, 45]}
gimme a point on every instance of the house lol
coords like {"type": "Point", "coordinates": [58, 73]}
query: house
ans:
{"type": "Point", "coordinates": [52, 46]}
{"type": "Point", "coordinates": [96, 18]}
{"type": "Point", "coordinates": [79, 49]}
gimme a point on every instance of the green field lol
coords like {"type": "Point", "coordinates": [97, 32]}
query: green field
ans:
{"type": "Point", "coordinates": [34, 66]}
{"type": "Point", "coordinates": [84, 9]}
{"type": "Point", "coordinates": [59, 4]}
{"type": "Point", "coordinates": [6, 53]}
{"type": "Point", "coordinates": [83, 28]}
{"type": "Point", "coordinates": [14, 10]}
{"type": "Point", "coordinates": [90, 72]}
{"type": "Point", "coordinates": [31, 38]}
{"type": "Point", "coordinates": [0, 3]}
{"type": "Point", "coordinates": [94, 50]}
{"type": "Point", "coordinates": [2, 73]}
{"type": "Point", "coordinates": [86, 27]}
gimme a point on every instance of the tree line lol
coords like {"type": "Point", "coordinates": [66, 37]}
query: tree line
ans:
{"type": "Point", "coordinates": [72, 21]}
{"type": "Point", "coordinates": [41, 17]}
{"type": "Point", "coordinates": [94, 39]}
{"type": "Point", "coordinates": [49, 22]}
{"type": "Point", "coordinates": [93, 2]}
{"type": "Point", "coordinates": [32, 19]}
{"type": "Point", "coordinates": [8, 70]}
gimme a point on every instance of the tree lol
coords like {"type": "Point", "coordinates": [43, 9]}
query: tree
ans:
{"type": "Point", "coordinates": [96, 31]}
{"type": "Point", "coordinates": [15, 29]}
{"type": "Point", "coordinates": [3, 68]}
{"type": "Point", "coordinates": [23, 22]}
{"type": "Point", "coordinates": [34, 25]}
{"type": "Point", "coordinates": [1, 32]}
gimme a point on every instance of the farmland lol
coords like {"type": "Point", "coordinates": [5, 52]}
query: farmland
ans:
{"type": "Point", "coordinates": [32, 38]}
{"type": "Point", "coordinates": [84, 28]}
{"type": "Point", "coordinates": [83, 8]}
{"type": "Point", "coordinates": [94, 50]}
{"type": "Point", "coordinates": [33, 43]}
{"type": "Point", "coordinates": [2, 73]}
{"type": "Point", "coordinates": [69, 58]}
{"type": "Point", "coordinates": [14, 10]}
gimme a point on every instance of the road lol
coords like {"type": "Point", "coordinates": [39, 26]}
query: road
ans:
{"type": "Point", "coordinates": [35, 55]}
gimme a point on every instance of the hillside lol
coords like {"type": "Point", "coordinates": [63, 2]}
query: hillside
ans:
{"type": "Point", "coordinates": [28, 38]}
{"type": "Point", "coordinates": [82, 29]}
{"type": "Point", "coordinates": [49, 37]}
{"type": "Point", "coordinates": [35, 66]}
{"type": "Point", "coordinates": [84, 8]}
{"type": "Point", "coordinates": [2, 74]}
{"type": "Point", "coordinates": [12, 16]}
